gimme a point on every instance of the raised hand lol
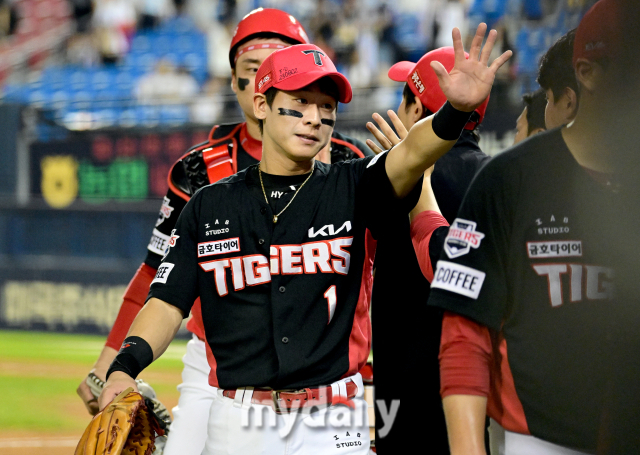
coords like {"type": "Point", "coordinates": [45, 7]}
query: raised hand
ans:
{"type": "Point", "coordinates": [386, 136]}
{"type": "Point", "coordinates": [469, 82]}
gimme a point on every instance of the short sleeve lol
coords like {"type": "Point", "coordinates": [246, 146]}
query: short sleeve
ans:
{"type": "Point", "coordinates": [172, 205]}
{"type": "Point", "coordinates": [377, 200]}
{"type": "Point", "coordinates": [470, 277]}
{"type": "Point", "coordinates": [176, 281]}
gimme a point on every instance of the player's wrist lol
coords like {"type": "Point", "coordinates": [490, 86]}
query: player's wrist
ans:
{"type": "Point", "coordinates": [134, 356]}
{"type": "Point", "coordinates": [449, 122]}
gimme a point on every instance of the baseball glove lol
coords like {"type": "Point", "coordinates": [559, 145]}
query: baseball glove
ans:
{"type": "Point", "coordinates": [161, 412]}
{"type": "Point", "coordinates": [124, 426]}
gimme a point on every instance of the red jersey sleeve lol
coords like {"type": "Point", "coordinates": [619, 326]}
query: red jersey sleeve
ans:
{"type": "Point", "coordinates": [465, 357]}
{"type": "Point", "coordinates": [132, 302]}
{"type": "Point", "coordinates": [422, 228]}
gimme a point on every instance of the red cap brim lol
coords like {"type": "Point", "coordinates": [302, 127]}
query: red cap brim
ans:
{"type": "Point", "coordinates": [298, 81]}
{"type": "Point", "coordinates": [400, 71]}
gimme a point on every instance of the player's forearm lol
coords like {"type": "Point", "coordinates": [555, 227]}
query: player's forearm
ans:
{"type": "Point", "coordinates": [465, 416]}
{"type": "Point", "coordinates": [420, 150]}
{"type": "Point", "coordinates": [132, 302]}
{"type": "Point", "coordinates": [157, 323]}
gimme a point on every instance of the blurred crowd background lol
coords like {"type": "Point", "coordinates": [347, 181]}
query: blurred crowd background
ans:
{"type": "Point", "coordinates": [99, 98]}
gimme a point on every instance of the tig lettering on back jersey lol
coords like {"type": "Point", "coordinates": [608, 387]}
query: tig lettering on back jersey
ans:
{"type": "Point", "coordinates": [590, 281]}
{"type": "Point", "coordinates": [323, 256]}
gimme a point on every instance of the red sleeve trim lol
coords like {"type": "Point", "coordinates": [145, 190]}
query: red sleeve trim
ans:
{"type": "Point", "coordinates": [422, 228]}
{"type": "Point", "coordinates": [353, 148]}
{"type": "Point", "coordinates": [465, 357]}
{"type": "Point", "coordinates": [133, 301]}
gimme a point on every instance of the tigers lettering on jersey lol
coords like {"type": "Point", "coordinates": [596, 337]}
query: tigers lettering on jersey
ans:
{"type": "Point", "coordinates": [595, 281]}
{"type": "Point", "coordinates": [327, 256]}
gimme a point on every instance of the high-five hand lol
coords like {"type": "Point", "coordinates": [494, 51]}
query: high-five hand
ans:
{"type": "Point", "coordinates": [469, 82]}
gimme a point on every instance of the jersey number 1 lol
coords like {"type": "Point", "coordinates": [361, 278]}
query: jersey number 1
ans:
{"type": "Point", "coordinates": [332, 298]}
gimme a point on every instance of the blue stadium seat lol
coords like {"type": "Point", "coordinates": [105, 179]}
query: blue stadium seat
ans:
{"type": "Point", "coordinates": [174, 114]}
{"type": "Point", "coordinates": [79, 79]}
{"type": "Point", "coordinates": [128, 118]}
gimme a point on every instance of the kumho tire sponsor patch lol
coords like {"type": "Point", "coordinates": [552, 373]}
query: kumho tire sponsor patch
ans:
{"type": "Point", "coordinates": [458, 278]}
{"type": "Point", "coordinates": [461, 238]}
{"type": "Point", "coordinates": [218, 247]}
{"type": "Point", "coordinates": [554, 249]}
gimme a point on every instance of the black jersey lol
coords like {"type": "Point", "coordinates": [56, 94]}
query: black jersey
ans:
{"type": "Point", "coordinates": [399, 278]}
{"type": "Point", "coordinates": [280, 302]}
{"type": "Point", "coordinates": [228, 150]}
{"type": "Point", "coordinates": [528, 257]}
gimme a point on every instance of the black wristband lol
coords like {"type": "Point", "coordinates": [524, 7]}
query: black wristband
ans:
{"type": "Point", "coordinates": [449, 122]}
{"type": "Point", "coordinates": [134, 356]}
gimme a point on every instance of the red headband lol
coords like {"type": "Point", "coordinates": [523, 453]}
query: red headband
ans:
{"type": "Point", "coordinates": [258, 46]}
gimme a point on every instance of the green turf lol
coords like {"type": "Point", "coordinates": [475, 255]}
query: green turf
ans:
{"type": "Point", "coordinates": [77, 349]}
{"type": "Point", "coordinates": [43, 370]}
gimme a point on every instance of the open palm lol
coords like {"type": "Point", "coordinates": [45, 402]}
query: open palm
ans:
{"type": "Point", "coordinates": [469, 82]}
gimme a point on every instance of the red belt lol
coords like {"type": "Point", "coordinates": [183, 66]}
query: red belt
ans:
{"type": "Point", "coordinates": [284, 401]}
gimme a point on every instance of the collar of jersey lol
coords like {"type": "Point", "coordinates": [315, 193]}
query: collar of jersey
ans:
{"type": "Point", "coordinates": [250, 145]}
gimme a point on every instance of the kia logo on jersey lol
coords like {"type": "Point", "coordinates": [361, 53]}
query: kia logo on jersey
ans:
{"type": "Point", "coordinates": [328, 229]}
{"type": "Point", "coordinates": [461, 238]}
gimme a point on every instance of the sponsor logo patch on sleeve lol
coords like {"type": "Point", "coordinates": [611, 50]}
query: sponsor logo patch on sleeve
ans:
{"type": "Point", "coordinates": [165, 211]}
{"type": "Point", "coordinates": [461, 238]}
{"type": "Point", "coordinates": [219, 247]}
{"type": "Point", "coordinates": [158, 243]}
{"type": "Point", "coordinates": [163, 273]}
{"type": "Point", "coordinates": [458, 278]}
{"type": "Point", "coordinates": [554, 249]}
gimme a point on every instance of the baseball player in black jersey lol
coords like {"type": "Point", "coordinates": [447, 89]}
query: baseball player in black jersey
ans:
{"type": "Point", "coordinates": [527, 276]}
{"type": "Point", "coordinates": [284, 324]}
{"type": "Point", "coordinates": [396, 262]}
{"type": "Point", "coordinates": [230, 148]}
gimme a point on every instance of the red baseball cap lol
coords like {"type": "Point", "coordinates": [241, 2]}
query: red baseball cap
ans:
{"type": "Point", "coordinates": [267, 20]}
{"type": "Point", "coordinates": [599, 32]}
{"type": "Point", "coordinates": [296, 67]}
{"type": "Point", "coordinates": [423, 82]}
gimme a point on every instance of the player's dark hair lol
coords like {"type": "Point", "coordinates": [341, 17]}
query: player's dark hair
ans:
{"type": "Point", "coordinates": [556, 71]}
{"type": "Point", "coordinates": [327, 85]}
{"type": "Point", "coordinates": [265, 35]}
{"type": "Point", "coordinates": [410, 99]}
{"type": "Point", "coordinates": [270, 95]}
{"type": "Point", "coordinates": [535, 103]}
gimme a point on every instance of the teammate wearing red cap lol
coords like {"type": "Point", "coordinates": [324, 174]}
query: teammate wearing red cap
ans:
{"type": "Point", "coordinates": [526, 278]}
{"type": "Point", "coordinates": [285, 328]}
{"type": "Point", "coordinates": [230, 148]}
{"type": "Point", "coordinates": [396, 262]}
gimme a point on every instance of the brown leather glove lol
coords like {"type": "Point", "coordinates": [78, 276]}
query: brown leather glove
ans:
{"type": "Point", "coordinates": [124, 426]}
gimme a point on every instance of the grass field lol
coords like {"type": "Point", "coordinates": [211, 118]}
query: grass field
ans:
{"type": "Point", "coordinates": [39, 374]}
